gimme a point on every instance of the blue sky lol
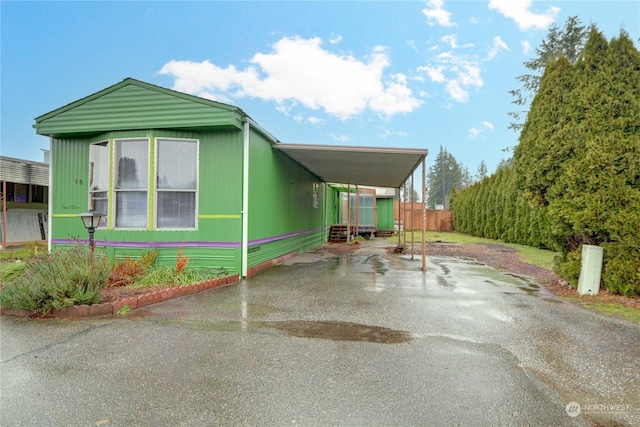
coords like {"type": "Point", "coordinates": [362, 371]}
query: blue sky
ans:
{"type": "Point", "coordinates": [409, 74]}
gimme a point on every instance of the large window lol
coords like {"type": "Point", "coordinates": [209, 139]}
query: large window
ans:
{"type": "Point", "coordinates": [99, 179]}
{"type": "Point", "coordinates": [176, 185]}
{"type": "Point", "coordinates": [24, 193]}
{"type": "Point", "coordinates": [131, 185]}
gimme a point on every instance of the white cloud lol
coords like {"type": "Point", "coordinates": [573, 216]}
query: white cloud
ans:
{"type": "Point", "coordinates": [412, 45]}
{"type": "Point", "coordinates": [456, 72]}
{"type": "Point", "coordinates": [474, 132]}
{"type": "Point", "coordinates": [518, 10]}
{"type": "Point", "coordinates": [526, 47]}
{"type": "Point", "coordinates": [456, 92]}
{"type": "Point", "coordinates": [497, 46]}
{"type": "Point", "coordinates": [315, 120]}
{"type": "Point", "coordinates": [386, 133]}
{"type": "Point", "coordinates": [452, 41]}
{"type": "Point", "coordinates": [335, 39]}
{"type": "Point", "coordinates": [436, 14]}
{"type": "Point", "coordinates": [468, 74]}
{"type": "Point", "coordinates": [340, 138]}
{"type": "Point", "coordinates": [435, 73]}
{"type": "Point", "coordinates": [300, 72]}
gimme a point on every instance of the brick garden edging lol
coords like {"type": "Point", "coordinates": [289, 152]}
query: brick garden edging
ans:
{"type": "Point", "coordinates": [138, 301]}
{"type": "Point", "coordinates": [252, 271]}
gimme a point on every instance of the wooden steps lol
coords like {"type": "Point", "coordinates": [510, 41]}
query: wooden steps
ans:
{"type": "Point", "coordinates": [385, 233]}
{"type": "Point", "coordinates": [338, 233]}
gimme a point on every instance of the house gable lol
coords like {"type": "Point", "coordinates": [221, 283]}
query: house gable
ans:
{"type": "Point", "coordinates": [132, 104]}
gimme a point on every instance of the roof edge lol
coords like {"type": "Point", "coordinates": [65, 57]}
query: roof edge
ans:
{"type": "Point", "coordinates": [131, 81]}
{"type": "Point", "coordinates": [387, 150]}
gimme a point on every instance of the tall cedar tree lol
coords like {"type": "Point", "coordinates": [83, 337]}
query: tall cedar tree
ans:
{"type": "Point", "coordinates": [596, 199]}
{"type": "Point", "coordinates": [545, 141]}
{"type": "Point", "coordinates": [575, 177]}
{"type": "Point", "coordinates": [567, 41]}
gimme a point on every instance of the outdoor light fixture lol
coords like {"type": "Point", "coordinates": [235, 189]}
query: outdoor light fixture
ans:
{"type": "Point", "coordinates": [91, 220]}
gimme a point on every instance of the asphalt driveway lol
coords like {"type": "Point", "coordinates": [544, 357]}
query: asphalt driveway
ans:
{"type": "Point", "coordinates": [331, 339]}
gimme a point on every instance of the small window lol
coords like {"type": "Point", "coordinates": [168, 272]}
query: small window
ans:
{"type": "Point", "coordinates": [10, 195]}
{"type": "Point", "coordinates": [38, 194]}
{"type": "Point", "coordinates": [177, 177]}
{"type": "Point", "coordinates": [316, 195]}
{"type": "Point", "coordinates": [21, 193]}
{"type": "Point", "coordinates": [99, 179]}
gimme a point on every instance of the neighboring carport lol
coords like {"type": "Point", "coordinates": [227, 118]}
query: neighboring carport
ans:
{"type": "Point", "coordinates": [378, 167]}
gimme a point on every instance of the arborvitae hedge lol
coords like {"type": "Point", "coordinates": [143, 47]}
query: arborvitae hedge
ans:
{"type": "Point", "coordinates": [576, 173]}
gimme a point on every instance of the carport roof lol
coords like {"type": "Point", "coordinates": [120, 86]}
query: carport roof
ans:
{"type": "Point", "coordinates": [378, 167]}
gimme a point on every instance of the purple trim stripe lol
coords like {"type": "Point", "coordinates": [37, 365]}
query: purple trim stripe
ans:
{"type": "Point", "coordinates": [192, 244]}
{"type": "Point", "coordinates": [283, 236]}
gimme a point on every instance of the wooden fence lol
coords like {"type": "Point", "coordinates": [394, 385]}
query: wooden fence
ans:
{"type": "Point", "coordinates": [412, 218]}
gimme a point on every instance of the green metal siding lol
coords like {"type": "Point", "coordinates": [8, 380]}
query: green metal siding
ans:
{"type": "Point", "coordinates": [70, 171]}
{"type": "Point", "coordinates": [135, 107]}
{"type": "Point", "coordinates": [299, 243]}
{"type": "Point", "coordinates": [198, 257]}
{"type": "Point", "coordinates": [280, 203]}
{"type": "Point", "coordinates": [385, 213]}
{"type": "Point", "coordinates": [219, 204]}
{"type": "Point", "coordinates": [220, 193]}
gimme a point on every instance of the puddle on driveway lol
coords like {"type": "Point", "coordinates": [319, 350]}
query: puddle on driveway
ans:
{"type": "Point", "coordinates": [328, 330]}
{"type": "Point", "coordinates": [342, 331]}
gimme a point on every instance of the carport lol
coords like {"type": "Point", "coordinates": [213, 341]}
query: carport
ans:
{"type": "Point", "coordinates": [373, 166]}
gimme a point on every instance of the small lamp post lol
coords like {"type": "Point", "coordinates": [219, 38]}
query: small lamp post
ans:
{"type": "Point", "coordinates": [91, 220]}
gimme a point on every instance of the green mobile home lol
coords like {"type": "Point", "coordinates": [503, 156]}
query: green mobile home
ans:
{"type": "Point", "coordinates": [171, 170]}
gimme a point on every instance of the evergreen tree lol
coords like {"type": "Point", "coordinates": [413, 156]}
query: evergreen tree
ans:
{"type": "Point", "coordinates": [596, 199]}
{"type": "Point", "coordinates": [568, 42]}
{"type": "Point", "coordinates": [547, 140]}
{"type": "Point", "coordinates": [467, 181]}
{"type": "Point", "coordinates": [505, 163]}
{"type": "Point", "coordinates": [445, 174]}
{"type": "Point", "coordinates": [481, 172]}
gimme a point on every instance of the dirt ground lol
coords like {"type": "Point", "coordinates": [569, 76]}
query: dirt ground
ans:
{"type": "Point", "coordinates": [503, 258]}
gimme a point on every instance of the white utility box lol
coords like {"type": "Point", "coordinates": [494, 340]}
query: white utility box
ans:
{"type": "Point", "coordinates": [591, 270]}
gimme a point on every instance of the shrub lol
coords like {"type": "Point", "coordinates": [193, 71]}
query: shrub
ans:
{"type": "Point", "coordinates": [181, 261]}
{"type": "Point", "coordinates": [168, 276]}
{"type": "Point", "coordinates": [568, 266]}
{"type": "Point", "coordinates": [61, 279]}
{"type": "Point", "coordinates": [621, 273]}
{"type": "Point", "coordinates": [149, 259]}
{"type": "Point", "coordinates": [11, 270]}
{"type": "Point", "coordinates": [126, 272]}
